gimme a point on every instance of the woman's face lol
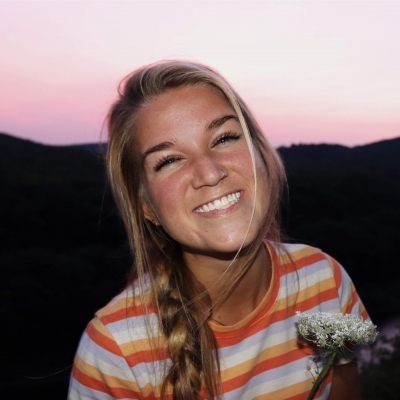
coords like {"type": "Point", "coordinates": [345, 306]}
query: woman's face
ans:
{"type": "Point", "coordinates": [198, 173]}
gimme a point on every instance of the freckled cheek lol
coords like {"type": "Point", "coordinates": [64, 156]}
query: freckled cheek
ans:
{"type": "Point", "coordinates": [166, 198]}
{"type": "Point", "coordinates": [241, 161]}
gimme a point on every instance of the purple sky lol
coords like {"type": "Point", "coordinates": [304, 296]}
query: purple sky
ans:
{"type": "Point", "coordinates": [312, 71]}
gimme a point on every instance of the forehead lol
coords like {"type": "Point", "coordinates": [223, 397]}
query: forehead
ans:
{"type": "Point", "coordinates": [179, 110]}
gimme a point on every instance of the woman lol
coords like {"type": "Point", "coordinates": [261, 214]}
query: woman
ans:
{"type": "Point", "coordinates": [210, 309]}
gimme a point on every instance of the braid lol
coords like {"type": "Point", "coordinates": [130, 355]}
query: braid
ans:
{"type": "Point", "coordinates": [182, 303]}
{"type": "Point", "coordinates": [188, 336]}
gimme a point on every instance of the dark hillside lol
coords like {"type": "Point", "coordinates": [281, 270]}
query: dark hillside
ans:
{"type": "Point", "coordinates": [381, 158]}
{"type": "Point", "coordinates": [51, 196]}
{"type": "Point", "coordinates": [63, 253]}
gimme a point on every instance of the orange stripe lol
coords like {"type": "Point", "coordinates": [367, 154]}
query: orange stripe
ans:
{"type": "Point", "coordinates": [123, 313]}
{"type": "Point", "coordinates": [304, 261]}
{"type": "Point", "coordinates": [337, 272]}
{"type": "Point", "coordinates": [264, 366]}
{"type": "Point", "coordinates": [147, 356]}
{"type": "Point", "coordinates": [302, 390]}
{"type": "Point", "coordinates": [352, 300]}
{"type": "Point", "coordinates": [92, 378]}
{"type": "Point", "coordinates": [91, 383]}
{"type": "Point", "coordinates": [232, 338]}
{"type": "Point", "coordinates": [102, 340]}
{"type": "Point", "coordinates": [318, 298]}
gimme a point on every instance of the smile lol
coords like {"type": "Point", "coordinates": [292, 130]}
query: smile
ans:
{"type": "Point", "coordinates": [220, 204]}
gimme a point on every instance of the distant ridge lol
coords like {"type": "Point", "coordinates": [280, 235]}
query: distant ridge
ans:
{"type": "Point", "coordinates": [381, 157]}
{"type": "Point", "coordinates": [9, 142]}
{"type": "Point", "coordinates": [46, 163]}
{"type": "Point", "coordinates": [329, 152]}
{"type": "Point", "coordinates": [92, 147]}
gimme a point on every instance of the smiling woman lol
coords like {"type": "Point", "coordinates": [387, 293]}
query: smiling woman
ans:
{"type": "Point", "coordinates": [210, 308]}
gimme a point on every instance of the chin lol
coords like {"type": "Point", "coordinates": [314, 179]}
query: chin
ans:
{"type": "Point", "coordinates": [231, 248]}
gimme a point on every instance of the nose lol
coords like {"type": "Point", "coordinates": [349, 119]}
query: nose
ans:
{"type": "Point", "coordinates": [207, 171]}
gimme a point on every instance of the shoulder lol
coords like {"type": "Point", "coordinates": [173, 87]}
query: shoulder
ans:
{"type": "Point", "coordinates": [318, 276]}
{"type": "Point", "coordinates": [302, 256]}
{"type": "Point", "coordinates": [133, 301]}
{"type": "Point", "coordinates": [129, 316]}
{"type": "Point", "coordinates": [114, 347]}
{"type": "Point", "coordinates": [124, 327]}
{"type": "Point", "coordinates": [311, 261]}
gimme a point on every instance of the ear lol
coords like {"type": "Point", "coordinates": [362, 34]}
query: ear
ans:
{"type": "Point", "coordinates": [149, 213]}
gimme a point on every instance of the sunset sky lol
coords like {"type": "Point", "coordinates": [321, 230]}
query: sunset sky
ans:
{"type": "Point", "coordinates": [312, 71]}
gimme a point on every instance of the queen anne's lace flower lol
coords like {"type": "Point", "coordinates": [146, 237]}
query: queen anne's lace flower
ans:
{"type": "Point", "coordinates": [332, 331]}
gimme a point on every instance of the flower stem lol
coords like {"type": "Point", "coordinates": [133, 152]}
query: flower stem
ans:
{"type": "Point", "coordinates": [321, 376]}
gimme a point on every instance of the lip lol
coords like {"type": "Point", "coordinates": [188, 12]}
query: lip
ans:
{"type": "Point", "coordinates": [221, 211]}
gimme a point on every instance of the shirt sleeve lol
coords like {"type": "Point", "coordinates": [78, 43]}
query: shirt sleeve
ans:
{"type": "Point", "coordinates": [350, 302]}
{"type": "Point", "coordinates": [100, 370]}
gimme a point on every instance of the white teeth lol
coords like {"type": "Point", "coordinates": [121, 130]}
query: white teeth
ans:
{"type": "Point", "coordinates": [220, 204]}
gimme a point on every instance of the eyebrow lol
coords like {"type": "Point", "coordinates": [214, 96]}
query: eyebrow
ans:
{"type": "Point", "coordinates": [157, 147]}
{"type": "Point", "coordinates": [216, 123]}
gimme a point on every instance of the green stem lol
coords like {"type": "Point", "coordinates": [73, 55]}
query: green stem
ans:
{"type": "Point", "coordinates": [322, 374]}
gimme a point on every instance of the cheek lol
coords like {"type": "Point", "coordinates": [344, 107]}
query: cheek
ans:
{"type": "Point", "coordinates": [262, 181]}
{"type": "Point", "coordinates": [241, 161]}
{"type": "Point", "coordinates": [165, 198]}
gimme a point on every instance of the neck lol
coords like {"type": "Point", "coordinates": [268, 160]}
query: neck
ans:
{"type": "Point", "coordinates": [219, 274]}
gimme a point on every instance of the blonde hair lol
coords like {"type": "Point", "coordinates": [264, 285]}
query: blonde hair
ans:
{"type": "Point", "coordinates": [182, 302]}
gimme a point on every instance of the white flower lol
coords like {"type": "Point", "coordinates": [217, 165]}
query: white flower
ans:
{"type": "Point", "coordinates": [333, 331]}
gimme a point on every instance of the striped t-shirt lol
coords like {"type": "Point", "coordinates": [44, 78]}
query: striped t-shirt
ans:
{"type": "Point", "coordinates": [261, 356]}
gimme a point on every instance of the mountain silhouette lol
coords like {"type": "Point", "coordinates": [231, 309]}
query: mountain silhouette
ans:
{"type": "Point", "coordinates": [63, 251]}
{"type": "Point", "coordinates": [380, 157]}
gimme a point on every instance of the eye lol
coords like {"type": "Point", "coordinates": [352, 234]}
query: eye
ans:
{"type": "Point", "coordinates": [226, 137]}
{"type": "Point", "coordinates": [165, 161]}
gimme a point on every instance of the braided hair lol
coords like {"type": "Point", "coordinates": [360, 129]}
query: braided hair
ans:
{"type": "Point", "coordinates": [182, 303]}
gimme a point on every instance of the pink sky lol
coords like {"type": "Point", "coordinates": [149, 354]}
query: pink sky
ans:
{"type": "Point", "coordinates": [312, 72]}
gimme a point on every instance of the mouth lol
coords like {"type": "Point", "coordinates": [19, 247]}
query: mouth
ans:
{"type": "Point", "coordinates": [220, 204]}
